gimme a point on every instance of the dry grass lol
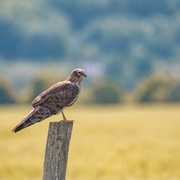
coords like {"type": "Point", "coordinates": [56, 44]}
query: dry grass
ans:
{"type": "Point", "coordinates": [108, 143]}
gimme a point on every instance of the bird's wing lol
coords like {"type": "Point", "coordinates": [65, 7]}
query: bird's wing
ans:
{"type": "Point", "coordinates": [61, 94]}
{"type": "Point", "coordinates": [38, 114]}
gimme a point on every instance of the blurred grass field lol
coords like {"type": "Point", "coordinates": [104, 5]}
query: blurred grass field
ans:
{"type": "Point", "coordinates": [108, 143]}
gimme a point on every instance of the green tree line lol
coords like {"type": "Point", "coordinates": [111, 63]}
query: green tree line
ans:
{"type": "Point", "coordinates": [157, 88]}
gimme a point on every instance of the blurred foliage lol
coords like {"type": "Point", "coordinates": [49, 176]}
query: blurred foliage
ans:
{"type": "Point", "coordinates": [6, 92]}
{"type": "Point", "coordinates": [174, 95]}
{"type": "Point", "coordinates": [41, 82]}
{"type": "Point", "coordinates": [159, 88]}
{"type": "Point", "coordinates": [128, 28]}
{"type": "Point", "coordinates": [106, 92]}
{"type": "Point", "coordinates": [126, 41]}
{"type": "Point", "coordinates": [38, 85]}
{"type": "Point", "coordinates": [130, 39]}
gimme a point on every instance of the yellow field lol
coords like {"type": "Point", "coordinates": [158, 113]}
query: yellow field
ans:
{"type": "Point", "coordinates": [108, 143]}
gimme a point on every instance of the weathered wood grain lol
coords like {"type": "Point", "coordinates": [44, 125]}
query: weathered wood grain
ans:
{"type": "Point", "coordinates": [57, 148]}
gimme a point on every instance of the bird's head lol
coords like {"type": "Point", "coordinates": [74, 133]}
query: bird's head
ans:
{"type": "Point", "coordinates": [78, 73]}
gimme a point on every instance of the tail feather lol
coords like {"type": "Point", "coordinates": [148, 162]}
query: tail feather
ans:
{"type": "Point", "coordinates": [36, 115]}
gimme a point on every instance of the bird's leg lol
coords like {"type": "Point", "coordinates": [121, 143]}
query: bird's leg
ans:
{"type": "Point", "coordinates": [64, 117]}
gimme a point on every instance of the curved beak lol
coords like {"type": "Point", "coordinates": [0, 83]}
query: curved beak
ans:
{"type": "Point", "coordinates": [84, 75]}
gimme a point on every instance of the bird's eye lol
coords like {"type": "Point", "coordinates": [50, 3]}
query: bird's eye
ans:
{"type": "Point", "coordinates": [79, 73]}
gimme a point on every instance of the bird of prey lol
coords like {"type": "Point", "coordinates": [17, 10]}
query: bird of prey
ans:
{"type": "Point", "coordinates": [54, 100]}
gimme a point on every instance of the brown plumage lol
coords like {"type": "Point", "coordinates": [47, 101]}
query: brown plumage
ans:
{"type": "Point", "coordinates": [54, 100]}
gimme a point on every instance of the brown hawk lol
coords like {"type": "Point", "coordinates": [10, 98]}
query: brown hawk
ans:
{"type": "Point", "coordinates": [54, 100]}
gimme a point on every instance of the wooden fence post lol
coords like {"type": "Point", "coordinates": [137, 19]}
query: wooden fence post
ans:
{"type": "Point", "coordinates": [57, 148]}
